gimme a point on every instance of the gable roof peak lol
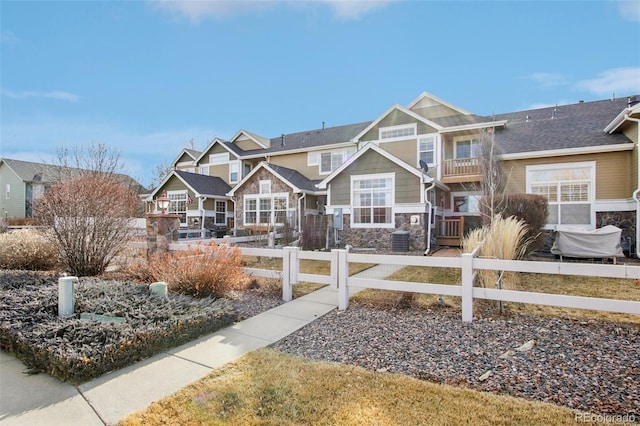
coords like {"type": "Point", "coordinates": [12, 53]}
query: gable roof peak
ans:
{"type": "Point", "coordinates": [424, 96]}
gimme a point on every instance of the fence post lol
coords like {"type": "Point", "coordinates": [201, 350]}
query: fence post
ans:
{"type": "Point", "coordinates": [288, 257]}
{"type": "Point", "coordinates": [342, 273]}
{"type": "Point", "coordinates": [334, 270]}
{"type": "Point", "coordinates": [467, 287]}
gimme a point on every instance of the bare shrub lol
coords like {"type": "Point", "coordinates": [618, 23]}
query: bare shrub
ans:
{"type": "Point", "coordinates": [27, 249]}
{"type": "Point", "coordinates": [201, 271]}
{"type": "Point", "coordinates": [90, 216]}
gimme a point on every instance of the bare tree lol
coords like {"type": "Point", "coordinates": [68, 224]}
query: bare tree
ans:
{"type": "Point", "coordinates": [493, 181]}
{"type": "Point", "coordinates": [89, 210]}
{"type": "Point", "coordinates": [95, 158]}
{"type": "Point", "coordinates": [160, 172]}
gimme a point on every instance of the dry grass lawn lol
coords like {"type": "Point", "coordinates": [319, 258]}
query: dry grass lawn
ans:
{"type": "Point", "coordinates": [266, 387]}
{"type": "Point", "coordinates": [611, 288]}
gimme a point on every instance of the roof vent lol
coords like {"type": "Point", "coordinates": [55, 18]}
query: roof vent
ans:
{"type": "Point", "coordinates": [527, 118]}
{"type": "Point", "coordinates": [323, 125]}
{"type": "Point", "coordinates": [553, 113]}
{"type": "Point", "coordinates": [631, 101]}
{"type": "Point", "coordinates": [282, 140]}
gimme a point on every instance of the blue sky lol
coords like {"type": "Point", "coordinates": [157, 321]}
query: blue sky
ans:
{"type": "Point", "coordinates": [148, 78]}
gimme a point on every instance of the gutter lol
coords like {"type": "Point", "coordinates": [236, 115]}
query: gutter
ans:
{"type": "Point", "coordinates": [637, 191]}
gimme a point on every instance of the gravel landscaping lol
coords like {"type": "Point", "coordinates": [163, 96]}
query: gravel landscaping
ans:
{"type": "Point", "coordinates": [589, 366]}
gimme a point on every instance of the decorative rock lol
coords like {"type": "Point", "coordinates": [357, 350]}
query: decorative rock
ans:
{"type": "Point", "coordinates": [159, 288]}
{"type": "Point", "coordinates": [526, 346]}
{"type": "Point", "coordinates": [485, 376]}
{"type": "Point", "coordinates": [507, 354]}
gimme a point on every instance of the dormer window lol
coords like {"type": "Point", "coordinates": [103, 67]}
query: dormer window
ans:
{"type": "Point", "coordinates": [219, 158]}
{"type": "Point", "coordinates": [398, 132]}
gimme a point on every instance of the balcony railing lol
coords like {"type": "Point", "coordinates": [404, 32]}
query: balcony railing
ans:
{"type": "Point", "coordinates": [461, 167]}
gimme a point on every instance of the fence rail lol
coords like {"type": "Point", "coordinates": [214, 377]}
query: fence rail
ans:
{"type": "Point", "coordinates": [468, 263]}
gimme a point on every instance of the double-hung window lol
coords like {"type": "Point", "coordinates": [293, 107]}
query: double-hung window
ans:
{"type": "Point", "coordinates": [234, 171]}
{"type": "Point", "coordinates": [372, 201]}
{"type": "Point", "coordinates": [178, 205]}
{"type": "Point", "coordinates": [221, 212]}
{"type": "Point", "coordinates": [569, 190]}
{"type": "Point", "coordinates": [427, 149]}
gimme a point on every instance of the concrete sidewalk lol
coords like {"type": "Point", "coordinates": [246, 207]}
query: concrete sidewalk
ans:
{"type": "Point", "coordinates": [44, 400]}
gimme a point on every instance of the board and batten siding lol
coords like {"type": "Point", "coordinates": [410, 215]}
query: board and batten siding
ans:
{"type": "Point", "coordinates": [407, 185]}
{"type": "Point", "coordinates": [613, 173]}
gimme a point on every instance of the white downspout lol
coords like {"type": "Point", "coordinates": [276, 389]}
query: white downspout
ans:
{"type": "Point", "coordinates": [637, 191]}
{"type": "Point", "coordinates": [426, 199]}
{"type": "Point", "coordinates": [201, 201]}
{"type": "Point", "coordinates": [300, 213]}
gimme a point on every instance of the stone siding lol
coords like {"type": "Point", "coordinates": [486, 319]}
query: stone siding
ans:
{"type": "Point", "coordinates": [381, 238]}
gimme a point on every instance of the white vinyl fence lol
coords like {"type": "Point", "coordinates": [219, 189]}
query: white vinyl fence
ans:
{"type": "Point", "coordinates": [468, 263]}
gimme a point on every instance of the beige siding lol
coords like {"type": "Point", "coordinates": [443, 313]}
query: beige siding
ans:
{"type": "Point", "coordinates": [407, 188]}
{"type": "Point", "coordinates": [435, 111]}
{"type": "Point", "coordinates": [247, 144]}
{"type": "Point", "coordinates": [614, 176]}
{"type": "Point", "coordinates": [297, 162]}
{"type": "Point", "coordinates": [215, 149]}
{"type": "Point", "coordinates": [221, 171]}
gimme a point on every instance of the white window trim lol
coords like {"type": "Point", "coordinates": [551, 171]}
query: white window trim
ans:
{"type": "Point", "coordinates": [257, 198]}
{"type": "Point", "coordinates": [341, 152]}
{"type": "Point", "coordinates": [204, 168]}
{"type": "Point", "coordinates": [453, 195]}
{"type": "Point", "coordinates": [564, 166]}
{"type": "Point", "coordinates": [186, 205]}
{"type": "Point", "coordinates": [264, 182]}
{"type": "Point", "coordinates": [218, 159]}
{"type": "Point", "coordinates": [463, 139]}
{"type": "Point", "coordinates": [235, 163]}
{"type": "Point", "coordinates": [393, 198]}
{"type": "Point", "coordinates": [435, 148]}
{"type": "Point", "coordinates": [216, 212]}
{"type": "Point", "coordinates": [313, 158]}
{"type": "Point", "coordinates": [413, 126]}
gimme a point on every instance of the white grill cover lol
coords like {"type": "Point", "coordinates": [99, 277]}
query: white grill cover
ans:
{"type": "Point", "coordinates": [602, 242]}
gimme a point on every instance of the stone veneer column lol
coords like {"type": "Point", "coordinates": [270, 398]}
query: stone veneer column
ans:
{"type": "Point", "coordinates": [162, 230]}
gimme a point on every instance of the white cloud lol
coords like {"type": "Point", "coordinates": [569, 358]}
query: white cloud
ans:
{"type": "Point", "coordinates": [547, 79]}
{"type": "Point", "coordinates": [629, 9]}
{"type": "Point", "coordinates": [29, 94]}
{"type": "Point", "coordinates": [197, 10]}
{"type": "Point", "coordinates": [621, 81]}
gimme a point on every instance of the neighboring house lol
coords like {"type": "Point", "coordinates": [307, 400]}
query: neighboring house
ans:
{"type": "Point", "coordinates": [416, 169]}
{"type": "Point", "coordinates": [23, 182]}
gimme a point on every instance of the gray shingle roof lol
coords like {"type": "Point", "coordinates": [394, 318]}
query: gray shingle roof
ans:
{"type": "Point", "coordinates": [311, 138]}
{"type": "Point", "coordinates": [203, 184]}
{"type": "Point", "coordinates": [567, 126]}
{"type": "Point", "coordinates": [295, 178]}
{"type": "Point", "coordinates": [28, 171]}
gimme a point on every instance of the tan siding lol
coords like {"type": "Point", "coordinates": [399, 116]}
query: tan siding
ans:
{"type": "Point", "coordinates": [221, 171]}
{"type": "Point", "coordinates": [247, 144]}
{"type": "Point", "coordinates": [613, 173]}
{"type": "Point", "coordinates": [407, 184]}
{"type": "Point", "coordinates": [216, 149]}
{"type": "Point", "coordinates": [436, 111]}
{"type": "Point", "coordinates": [297, 162]}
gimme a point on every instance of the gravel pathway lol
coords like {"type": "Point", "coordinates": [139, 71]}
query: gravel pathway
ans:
{"type": "Point", "coordinates": [591, 366]}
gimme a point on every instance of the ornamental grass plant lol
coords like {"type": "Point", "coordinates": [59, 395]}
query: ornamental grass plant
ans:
{"type": "Point", "coordinates": [27, 249]}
